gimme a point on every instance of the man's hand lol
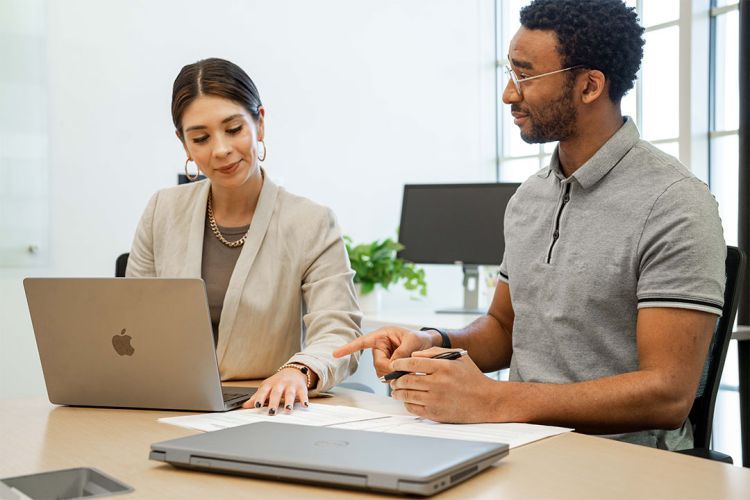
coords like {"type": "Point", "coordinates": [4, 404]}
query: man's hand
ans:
{"type": "Point", "coordinates": [389, 344]}
{"type": "Point", "coordinates": [452, 391]}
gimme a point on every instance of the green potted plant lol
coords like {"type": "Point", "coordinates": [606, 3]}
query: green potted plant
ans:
{"type": "Point", "coordinates": [376, 264]}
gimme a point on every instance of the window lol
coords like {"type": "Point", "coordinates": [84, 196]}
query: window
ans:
{"type": "Point", "coordinates": [723, 134]}
{"type": "Point", "coordinates": [725, 117]}
{"type": "Point", "coordinates": [657, 103]}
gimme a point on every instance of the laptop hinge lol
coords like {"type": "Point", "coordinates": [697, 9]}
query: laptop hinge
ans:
{"type": "Point", "coordinates": [278, 471]}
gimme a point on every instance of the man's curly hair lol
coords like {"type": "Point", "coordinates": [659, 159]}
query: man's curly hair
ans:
{"type": "Point", "coordinates": [597, 34]}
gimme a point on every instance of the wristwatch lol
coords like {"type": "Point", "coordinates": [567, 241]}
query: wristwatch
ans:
{"type": "Point", "coordinates": [446, 341]}
{"type": "Point", "coordinates": [299, 366]}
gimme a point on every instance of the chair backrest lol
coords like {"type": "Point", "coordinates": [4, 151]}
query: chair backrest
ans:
{"type": "Point", "coordinates": [121, 265]}
{"type": "Point", "coordinates": [702, 412]}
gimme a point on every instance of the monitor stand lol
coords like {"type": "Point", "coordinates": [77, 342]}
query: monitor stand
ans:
{"type": "Point", "coordinates": [471, 293]}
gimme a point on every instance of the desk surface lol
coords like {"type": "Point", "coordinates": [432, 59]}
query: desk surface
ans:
{"type": "Point", "coordinates": [36, 436]}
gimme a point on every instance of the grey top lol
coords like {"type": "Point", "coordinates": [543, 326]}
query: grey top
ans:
{"type": "Point", "coordinates": [631, 228]}
{"type": "Point", "coordinates": [216, 268]}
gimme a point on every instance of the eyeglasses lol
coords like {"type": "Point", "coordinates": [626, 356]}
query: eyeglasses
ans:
{"type": "Point", "coordinates": [518, 81]}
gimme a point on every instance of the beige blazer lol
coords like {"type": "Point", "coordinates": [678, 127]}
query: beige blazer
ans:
{"type": "Point", "coordinates": [290, 296]}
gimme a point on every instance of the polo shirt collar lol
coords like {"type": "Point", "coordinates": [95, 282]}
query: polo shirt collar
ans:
{"type": "Point", "coordinates": [604, 159]}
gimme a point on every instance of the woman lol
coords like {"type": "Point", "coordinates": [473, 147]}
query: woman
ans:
{"type": "Point", "coordinates": [271, 260]}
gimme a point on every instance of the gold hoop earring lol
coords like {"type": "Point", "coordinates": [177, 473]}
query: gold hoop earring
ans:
{"type": "Point", "coordinates": [189, 177]}
{"type": "Point", "coordinates": [265, 151]}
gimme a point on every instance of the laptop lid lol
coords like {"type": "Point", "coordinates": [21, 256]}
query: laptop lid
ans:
{"type": "Point", "coordinates": [339, 457]}
{"type": "Point", "coordinates": [117, 342]}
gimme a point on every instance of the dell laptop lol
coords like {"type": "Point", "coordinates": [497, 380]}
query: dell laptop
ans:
{"type": "Point", "coordinates": [346, 458]}
{"type": "Point", "coordinates": [128, 343]}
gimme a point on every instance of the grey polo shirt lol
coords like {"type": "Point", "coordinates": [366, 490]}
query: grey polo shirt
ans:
{"type": "Point", "coordinates": [631, 228]}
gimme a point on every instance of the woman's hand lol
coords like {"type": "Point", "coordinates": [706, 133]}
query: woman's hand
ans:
{"type": "Point", "coordinates": [289, 384]}
{"type": "Point", "coordinates": [389, 344]}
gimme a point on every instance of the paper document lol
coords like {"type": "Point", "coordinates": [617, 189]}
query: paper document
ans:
{"type": "Point", "coordinates": [347, 417]}
{"type": "Point", "coordinates": [316, 414]}
{"type": "Point", "coordinates": [513, 435]}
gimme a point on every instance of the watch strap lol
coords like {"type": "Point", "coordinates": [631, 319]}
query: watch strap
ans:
{"type": "Point", "coordinates": [446, 341]}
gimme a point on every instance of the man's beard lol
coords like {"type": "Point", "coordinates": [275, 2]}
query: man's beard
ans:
{"type": "Point", "coordinates": [553, 122]}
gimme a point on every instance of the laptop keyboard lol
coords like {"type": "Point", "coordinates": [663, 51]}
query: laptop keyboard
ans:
{"type": "Point", "coordinates": [228, 396]}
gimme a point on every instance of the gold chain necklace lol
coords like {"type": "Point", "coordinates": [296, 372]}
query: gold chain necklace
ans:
{"type": "Point", "coordinates": [215, 228]}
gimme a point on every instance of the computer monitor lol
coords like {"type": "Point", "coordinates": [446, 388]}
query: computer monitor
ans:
{"type": "Point", "coordinates": [455, 224]}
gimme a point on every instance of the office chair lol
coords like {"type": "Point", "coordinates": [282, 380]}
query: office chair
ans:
{"type": "Point", "coordinates": [121, 265]}
{"type": "Point", "coordinates": [702, 412]}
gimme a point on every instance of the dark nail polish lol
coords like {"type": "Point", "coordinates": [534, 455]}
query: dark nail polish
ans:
{"type": "Point", "coordinates": [288, 407]}
{"type": "Point", "coordinates": [272, 411]}
{"type": "Point", "coordinates": [307, 405]}
{"type": "Point", "coordinates": [257, 404]}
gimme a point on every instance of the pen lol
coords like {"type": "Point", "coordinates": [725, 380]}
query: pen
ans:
{"type": "Point", "coordinates": [443, 355]}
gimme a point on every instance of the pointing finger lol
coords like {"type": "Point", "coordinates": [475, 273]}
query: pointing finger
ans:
{"type": "Point", "coordinates": [365, 342]}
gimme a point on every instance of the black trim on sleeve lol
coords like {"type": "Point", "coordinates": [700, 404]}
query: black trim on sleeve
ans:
{"type": "Point", "coordinates": [503, 274]}
{"type": "Point", "coordinates": [680, 300]}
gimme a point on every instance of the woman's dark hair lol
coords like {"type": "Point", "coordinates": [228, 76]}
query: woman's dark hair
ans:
{"type": "Point", "coordinates": [216, 77]}
{"type": "Point", "coordinates": [596, 34]}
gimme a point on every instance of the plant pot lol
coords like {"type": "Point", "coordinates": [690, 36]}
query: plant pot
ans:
{"type": "Point", "coordinates": [370, 303]}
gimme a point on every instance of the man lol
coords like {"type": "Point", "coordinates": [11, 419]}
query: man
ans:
{"type": "Point", "coordinates": [613, 273]}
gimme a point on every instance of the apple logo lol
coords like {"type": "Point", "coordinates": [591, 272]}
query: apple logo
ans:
{"type": "Point", "coordinates": [121, 343]}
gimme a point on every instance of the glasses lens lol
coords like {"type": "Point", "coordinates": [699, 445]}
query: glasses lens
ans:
{"type": "Point", "coordinates": [513, 78]}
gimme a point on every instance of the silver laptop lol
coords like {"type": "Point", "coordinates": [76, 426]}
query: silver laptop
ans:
{"type": "Point", "coordinates": [335, 457]}
{"type": "Point", "coordinates": [128, 343]}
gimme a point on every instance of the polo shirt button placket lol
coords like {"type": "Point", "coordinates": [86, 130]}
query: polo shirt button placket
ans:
{"type": "Point", "coordinates": [556, 234]}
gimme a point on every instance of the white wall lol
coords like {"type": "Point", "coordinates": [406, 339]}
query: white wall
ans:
{"type": "Point", "coordinates": [361, 97]}
{"type": "Point", "coordinates": [24, 185]}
